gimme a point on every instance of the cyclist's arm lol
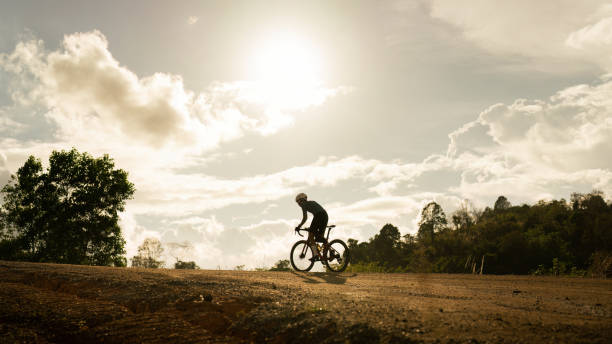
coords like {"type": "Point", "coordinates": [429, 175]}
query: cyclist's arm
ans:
{"type": "Point", "coordinates": [304, 216]}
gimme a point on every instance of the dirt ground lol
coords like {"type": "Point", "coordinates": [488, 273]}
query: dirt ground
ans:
{"type": "Point", "coordinates": [50, 303]}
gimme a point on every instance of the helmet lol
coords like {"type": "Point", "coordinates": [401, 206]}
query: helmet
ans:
{"type": "Point", "coordinates": [300, 196]}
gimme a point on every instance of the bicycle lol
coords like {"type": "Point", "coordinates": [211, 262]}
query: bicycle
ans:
{"type": "Point", "coordinates": [334, 254]}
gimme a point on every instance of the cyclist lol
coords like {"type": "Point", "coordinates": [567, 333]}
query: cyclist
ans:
{"type": "Point", "coordinates": [319, 220]}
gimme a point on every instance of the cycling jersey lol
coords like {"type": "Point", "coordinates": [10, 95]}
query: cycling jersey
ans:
{"type": "Point", "coordinates": [312, 207]}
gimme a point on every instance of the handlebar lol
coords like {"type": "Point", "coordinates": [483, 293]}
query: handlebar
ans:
{"type": "Point", "coordinates": [329, 228]}
{"type": "Point", "coordinates": [302, 229]}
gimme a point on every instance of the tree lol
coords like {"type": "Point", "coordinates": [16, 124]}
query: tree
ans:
{"type": "Point", "coordinates": [386, 245]}
{"type": "Point", "coordinates": [67, 213]}
{"type": "Point", "coordinates": [149, 254]}
{"type": "Point", "coordinates": [433, 220]}
{"type": "Point", "coordinates": [502, 203]}
{"type": "Point", "coordinates": [462, 218]}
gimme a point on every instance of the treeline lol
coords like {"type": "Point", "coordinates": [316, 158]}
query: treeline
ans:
{"type": "Point", "coordinates": [556, 237]}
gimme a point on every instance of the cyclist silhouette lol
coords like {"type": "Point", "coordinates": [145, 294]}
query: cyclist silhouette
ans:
{"type": "Point", "coordinates": [319, 220]}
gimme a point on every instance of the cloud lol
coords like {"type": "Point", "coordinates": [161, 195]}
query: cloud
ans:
{"type": "Point", "coordinates": [540, 148]}
{"type": "Point", "coordinates": [375, 211]}
{"type": "Point", "coordinates": [211, 244]}
{"type": "Point", "coordinates": [594, 40]}
{"type": "Point", "coordinates": [530, 29]}
{"type": "Point", "coordinates": [190, 193]}
{"type": "Point", "coordinates": [192, 20]}
{"type": "Point", "coordinates": [8, 125]}
{"type": "Point", "coordinates": [92, 98]}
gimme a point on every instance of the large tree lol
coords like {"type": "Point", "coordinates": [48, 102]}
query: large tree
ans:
{"type": "Point", "coordinates": [67, 213]}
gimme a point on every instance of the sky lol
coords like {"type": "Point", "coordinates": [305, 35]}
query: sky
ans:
{"type": "Point", "coordinates": [222, 111]}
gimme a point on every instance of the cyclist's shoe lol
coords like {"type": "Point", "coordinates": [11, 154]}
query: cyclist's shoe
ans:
{"type": "Point", "coordinates": [315, 259]}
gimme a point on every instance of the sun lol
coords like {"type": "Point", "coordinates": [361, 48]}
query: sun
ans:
{"type": "Point", "coordinates": [285, 75]}
{"type": "Point", "coordinates": [287, 60]}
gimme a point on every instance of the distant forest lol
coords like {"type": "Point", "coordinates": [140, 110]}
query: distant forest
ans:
{"type": "Point", "coordinates": [553, 238]}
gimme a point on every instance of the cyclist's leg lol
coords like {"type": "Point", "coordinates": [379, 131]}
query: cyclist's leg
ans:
{"type": "Point", "coordinates": [310, 235]}
{"type": "Point", "coordinates": [313, 244]}
{"type": "Point", "coordinates": [321, 225]}
{"type": "Point", "coordinates": [315, 226]}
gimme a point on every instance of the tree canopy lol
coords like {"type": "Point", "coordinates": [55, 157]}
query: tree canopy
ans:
{"type": "Point", "coordinates": [67, 213]}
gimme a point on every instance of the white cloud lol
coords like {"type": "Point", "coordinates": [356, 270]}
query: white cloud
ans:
{"type": "Point", "coordinates": [8, 125]}
{"type": "Point", "coordinates": [533, 29]}
{"type": "Point", "coordinates": [538, 149]}
{"type": "Point", "coordinates": [595, 41]}
{"type": "Point", "coordinates": [375, 211]}
{"type": "Point", "coordinates": [184, 194]}
{"type": "Point", "coordinates": [192, 20]}
{"type": "Point", "coordinates": [384, 188]}
{"type": "Point", "coordinates": [93, 99]}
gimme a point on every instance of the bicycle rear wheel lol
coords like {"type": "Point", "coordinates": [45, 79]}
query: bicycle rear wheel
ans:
{"type": "Point", "coordinates": [337, 255]}
{"type": "Point", "coordinates": [302, 257]}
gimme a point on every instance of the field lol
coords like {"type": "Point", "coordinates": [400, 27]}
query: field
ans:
{"type": "Point", "coordinates": [49, 303]}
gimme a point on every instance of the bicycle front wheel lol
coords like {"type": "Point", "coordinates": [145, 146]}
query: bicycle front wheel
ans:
{"type": "Point", "coordinates": [302, 257]}
{"type": "Point", "coordinates": [337, 255]}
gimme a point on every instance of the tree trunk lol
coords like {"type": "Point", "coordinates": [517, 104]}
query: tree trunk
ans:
{"type": "Point", "coordinates": [467, 262]}
{"type": "Point", "coordinates": [482, 264]}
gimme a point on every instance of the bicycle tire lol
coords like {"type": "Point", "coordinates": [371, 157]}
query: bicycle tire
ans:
{"type": "Point", "coordinates": [292, 257]}
{"type": "Point", "coordinates": [342, 261]}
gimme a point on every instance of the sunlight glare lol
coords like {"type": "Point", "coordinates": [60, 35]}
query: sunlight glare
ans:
{"type": "Point", "coordinates": [287, 59]}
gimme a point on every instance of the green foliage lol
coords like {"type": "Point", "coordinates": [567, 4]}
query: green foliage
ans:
{"type": "Point", "coordinates": [185, 265]}
{"type": "Point", "coordinates": [149, 254]}
{"type": "Point", "coordinates": [548, 238]}
{"type": "Point", "coordinates": [281, 265]}
{"type": "Point", "coordinates": [67, 213]}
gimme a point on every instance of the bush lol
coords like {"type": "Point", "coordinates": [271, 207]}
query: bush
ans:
{"type": "Point", "coordinates": [185, 265]}
{"type": "Point", "coordinates": [281, 265]}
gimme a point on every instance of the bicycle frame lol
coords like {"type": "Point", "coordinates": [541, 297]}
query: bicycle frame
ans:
{"type": "Point", "coordinates": [311, 240]}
